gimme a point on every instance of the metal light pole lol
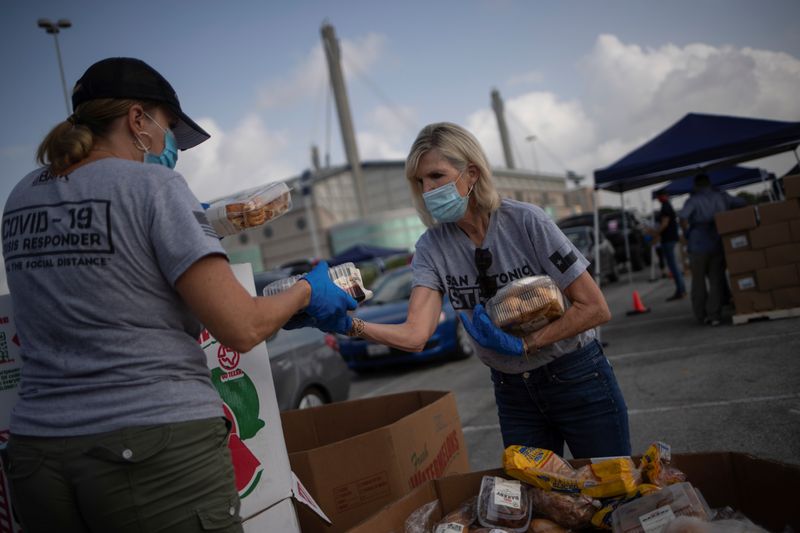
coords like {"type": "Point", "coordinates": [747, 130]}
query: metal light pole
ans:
{"type": "Point", "coordinates": [54, 28]}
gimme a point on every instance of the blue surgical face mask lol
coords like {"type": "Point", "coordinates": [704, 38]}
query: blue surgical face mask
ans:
{"type": "Point", "coordinates": [169, 155]}
{"type": "Point", "coordinates": [445, 203]}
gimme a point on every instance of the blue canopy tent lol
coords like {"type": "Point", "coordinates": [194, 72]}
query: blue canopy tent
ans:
{"type": "Point", "coordinates": [696, 143]}
{"type": "Point", "coordinates": [722, 179]}
{"type": "Point", "coordinates": [363, 252]}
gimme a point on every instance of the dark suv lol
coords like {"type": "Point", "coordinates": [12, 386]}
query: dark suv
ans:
{"type": "Point", "coordinates": [612, 228]}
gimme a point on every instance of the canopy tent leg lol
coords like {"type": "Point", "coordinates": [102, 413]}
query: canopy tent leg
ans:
{"type": "Point", "coordinates": [597, 266]}
{"type": "Point", "coordinates": [625, 238]}
{"type": "Point", "coordinates": [653, 256]}
{"type": "Point", "coordinates": [767, 187]}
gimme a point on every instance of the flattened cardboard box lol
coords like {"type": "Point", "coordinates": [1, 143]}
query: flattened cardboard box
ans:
{"type": "Point", "coordinates": [357, 456]}
{"type": "Point", "coordinates": [791, 186]}
{"type": "Point", "coordinates": [748, 302]}
{"type": "Point", "coordinates": [736, 242]}
{"type": "Point", "coordinates": [770, 235]}
{"type": "Point", "coordinates": [740, 219]}
{"type": "Point", "coordinates": [747, 261]}
{"type": "Point", "coordinates": [771, 278]}
{"type": "Point", "coordinates": [775, 212]}
{"type": "Point", "coordinates": [783, 254]}
{"type": "Point", "coordinates": [724, 478]}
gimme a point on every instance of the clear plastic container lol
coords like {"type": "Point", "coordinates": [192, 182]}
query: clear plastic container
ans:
{"type": "Point", "coordinates": [249, 209]}
{"type": "Point", "coordinates": [504, 503]}
{"type": "Point", "coordinates": [346, 276]}
{"type": "Point", "coordinates": [654, 511]}
{"type": "Point", "coordinates": [525, 305]}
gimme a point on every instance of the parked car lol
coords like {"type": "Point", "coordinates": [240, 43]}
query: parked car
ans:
{"type": "Point", "coordinates": [612, 227]}
{"type": "Point", "coordinates": [583, 239]}
{"type": "Point", "coordinates": [389, 305]}
{"type": "Point", "coordinates": [307, 369]}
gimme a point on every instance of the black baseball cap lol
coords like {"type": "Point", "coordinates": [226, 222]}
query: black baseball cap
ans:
{"type": "Point", "coordinates": [126, 77]}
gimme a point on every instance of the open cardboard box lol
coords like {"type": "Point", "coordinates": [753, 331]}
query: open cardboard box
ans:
{"type": "Point", "coordinates": [357, 456]}
{"type": "Point", "coordinates": [765, 491]}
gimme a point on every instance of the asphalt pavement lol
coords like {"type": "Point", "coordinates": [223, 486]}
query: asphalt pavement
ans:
{"type": "Point", "coordinates": [695, 387]}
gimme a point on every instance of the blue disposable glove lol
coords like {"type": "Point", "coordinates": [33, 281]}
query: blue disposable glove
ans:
{"type": "Point", "coordinates": [490, 336]}
{"type": "Point", "coordinates": [340, 323]}
{"type": "Point", "coordinates": [327, 299]}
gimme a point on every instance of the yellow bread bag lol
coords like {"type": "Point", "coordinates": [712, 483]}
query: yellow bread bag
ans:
{"type": "Point", "coordinates": [546, 470]}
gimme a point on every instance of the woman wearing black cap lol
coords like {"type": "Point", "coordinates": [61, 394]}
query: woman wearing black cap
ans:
{"type": "Point", "coordinates": [110, 259]}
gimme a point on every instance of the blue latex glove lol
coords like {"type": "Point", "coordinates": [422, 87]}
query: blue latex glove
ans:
{"type": "Point", "coordinates": [339, 323]}
{"type": "Point", "coordinates": [490, 336]}
{"type": "Point", "coordinates": [327, 299]}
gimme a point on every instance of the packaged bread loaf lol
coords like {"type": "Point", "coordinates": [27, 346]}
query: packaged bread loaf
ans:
{"type": "Point", "coordinates": [525, 305]}
{"type": "Point", "coordinates": [460, 519]}
{"type": "Point", "coordinates": [249, 209]}
{"type": "Point", "coordinates": [658, 509]}
{"type": "Point", "coordinates": [503, 503]}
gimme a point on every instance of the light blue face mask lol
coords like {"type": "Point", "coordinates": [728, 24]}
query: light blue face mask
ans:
{"type": "Point", "coordinates": [445, 203]}
{"type": "Point", "coordinates": [169, 155]}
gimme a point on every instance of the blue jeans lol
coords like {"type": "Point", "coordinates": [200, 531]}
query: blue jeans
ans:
{"type": "Point", "coordinates": [575, 399]}
{"type": "Point", "coordinates": [668, 249]}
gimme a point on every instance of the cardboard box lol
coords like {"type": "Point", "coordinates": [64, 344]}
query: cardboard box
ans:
{"type": "Point", "coordinates": [770, 235]}
{"type": "Point", "coordinates": [10, 366]}
{"type": "Point", "coordinates": [741, 262]}
{"type": "Point", "coordinates": [794, 229]}
{"type": "Point", "coordinates": [724, 478]}
{"type": "Point", "coordinates": [786, 298]}
{"type": "Point", "coordinates": [736, 242]}
{"type": "Point", "coordinates": [357, 456]}
{"type": "Point", "coordinates": [784, 254]}
{"type": "Point", "coordinates": [775, 212]}
{"type": "Point", "coordinates": [753, 302]}
{"type": "Point", "coordinates": [733, 220]}
{"type": "Point", "coordinates": [743, 283]}
{"type": "Point", "coordinates": [778, 277]}
{"type": "Point", "coordinates": [791, 186]}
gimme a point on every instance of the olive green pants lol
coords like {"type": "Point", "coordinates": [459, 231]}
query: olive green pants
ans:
{"type": "Point", "coordinates": [172, 477]}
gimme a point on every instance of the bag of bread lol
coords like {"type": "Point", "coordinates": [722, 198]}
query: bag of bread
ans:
{"type": "Point", "coordinates": [250, 208]}
{"type": "Point", "coordinates": [571, 511]}
{"type": "Point", "coordinates": [526, 305]}
{"type": "Point", "coordinates": [654, 511]}
{"type": "Point", "coordinates": [503, 503]}
{"type": "Point", "coordinates": [422, 519]}
{"type": "Point", "coordinates": [656, 468]}
{"type": "Point", "coordinates": [459, 520]}
{"type": "Point", "coordinates": [546, 470]}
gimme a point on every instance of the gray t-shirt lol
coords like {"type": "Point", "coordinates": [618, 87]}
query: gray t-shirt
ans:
{"type": "Point", "coordinates": [91, 260]}
{"type": "Point", "coordinates": [524, 242]}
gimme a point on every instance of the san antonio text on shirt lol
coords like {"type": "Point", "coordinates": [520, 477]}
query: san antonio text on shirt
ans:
{"type": "Point", "coordinates": [464, 291]}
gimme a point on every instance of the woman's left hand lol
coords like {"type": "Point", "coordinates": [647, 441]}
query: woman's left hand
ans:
{"type": "Point", "coordinates": [490, 336]}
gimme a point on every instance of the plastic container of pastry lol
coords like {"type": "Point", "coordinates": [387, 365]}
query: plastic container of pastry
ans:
{"type": "Point", "coordinates": [249, 209]}
{"type": "Point", "coordinates": [656, 510]}
{"type": "Point", "coordinates": [346, 276]}
{"type": "Point", "coordinates": [526, 304]}
{"type": "Point", "coordinates": [504, 503]}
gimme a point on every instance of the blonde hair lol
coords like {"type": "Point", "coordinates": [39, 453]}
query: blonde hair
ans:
{"type": "Point", "coordinates": [461, 149]}
{"type": "Point", "coordinates": [71, 141]}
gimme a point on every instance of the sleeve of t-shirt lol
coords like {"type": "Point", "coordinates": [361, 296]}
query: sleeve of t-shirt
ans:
{"type": "Point", "coordinates": [556, 254]}
{"type": "Point", "coordinates": [179, 229]}
{"type": "Point", "coordinates": [423, 266]}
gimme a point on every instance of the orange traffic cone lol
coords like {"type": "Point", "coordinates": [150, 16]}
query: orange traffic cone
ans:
{"type": "Point", "coordinates": [638, 306]}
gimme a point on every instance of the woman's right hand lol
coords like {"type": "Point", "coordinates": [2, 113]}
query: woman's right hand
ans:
{"type": "Point", "coordinates": [327, 298]}
{"type": "Point", "coordinates": [490, 336]}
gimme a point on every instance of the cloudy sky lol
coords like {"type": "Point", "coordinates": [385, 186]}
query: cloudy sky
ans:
{"type": "Point", "coordinates": [591, 80]}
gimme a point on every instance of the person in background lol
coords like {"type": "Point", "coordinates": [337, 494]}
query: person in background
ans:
{"type": "Point", "coordinates": [112, 268]}
{"type": "Point", "coordinates": [706, 257]}
{"type": "Point", "coordinates": [668, 236]}
{"type": "Point", "coordinates": [553, 386]}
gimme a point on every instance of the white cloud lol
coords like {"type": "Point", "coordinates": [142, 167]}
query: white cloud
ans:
{"type": "Point", "coordinates": [247, 156]}
{"type": "Point", "coordinates": [311, 76]}
{"type": "Point", "coordinates": [388, 134]}
{"type": "Point", "coordinates": [525, 78]}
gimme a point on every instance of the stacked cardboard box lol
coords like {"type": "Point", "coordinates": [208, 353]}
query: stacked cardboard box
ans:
{"type": "Point", "coordinates": [762, 250]}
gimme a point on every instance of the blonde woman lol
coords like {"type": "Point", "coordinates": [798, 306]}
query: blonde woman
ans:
{"type": "Point", "coordinates": [112, 268]}
{"type": "Point", "coordinates": [552, 387]}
